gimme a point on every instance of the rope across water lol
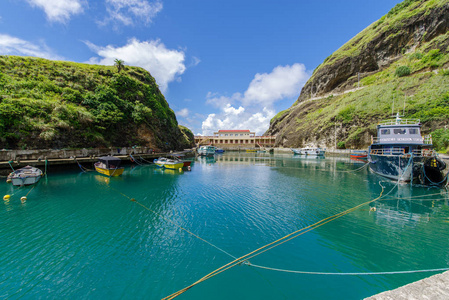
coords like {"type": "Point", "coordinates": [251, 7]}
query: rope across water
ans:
{"type": "Point", "coordinates": [245, 259]}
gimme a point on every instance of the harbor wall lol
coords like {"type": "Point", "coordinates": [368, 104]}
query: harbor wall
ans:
{"type": "Point", "coordinates": [18, 155]}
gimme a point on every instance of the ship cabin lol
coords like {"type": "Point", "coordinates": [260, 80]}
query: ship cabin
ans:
{"type": "Point", "coordinates": [400, 137]}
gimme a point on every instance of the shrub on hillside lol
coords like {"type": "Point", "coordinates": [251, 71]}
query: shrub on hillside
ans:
{"type": "Point", "coordinates": [341, 145]}
{"type": "Point", "coordinates": [440, 139]}
{"type": "Point", "coordinates": [402, 71]}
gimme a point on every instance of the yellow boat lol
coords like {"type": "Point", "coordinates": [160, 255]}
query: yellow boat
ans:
{"type": "Point", "coordinates": [109, 166]}
{"type": "Point", "coordinates": [167, 163]}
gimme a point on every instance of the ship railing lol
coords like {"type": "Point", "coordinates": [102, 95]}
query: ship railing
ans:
{"type": "Point", "coordinates": [390, 151]}
{"type": "Point", "coordinates": [400, 122]}
{"type": "Point", "coordinates": [424, 152]}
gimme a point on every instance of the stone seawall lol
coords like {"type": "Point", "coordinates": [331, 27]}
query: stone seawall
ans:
{"type": "Point", "coordinates": [15, 155]}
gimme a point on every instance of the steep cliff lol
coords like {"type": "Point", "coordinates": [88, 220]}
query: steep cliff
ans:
{"type": "Point", "coordinates": [56, 104]}
{"type": "Point", "coordinates": [400, 59]}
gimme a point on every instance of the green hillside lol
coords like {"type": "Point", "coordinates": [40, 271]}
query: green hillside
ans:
{"type": "Point", "coordinates": [402, 61]}
{"type": "Point", "coordinates": [58, 104]}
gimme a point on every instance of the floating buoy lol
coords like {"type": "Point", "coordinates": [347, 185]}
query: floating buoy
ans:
{"type": "Point", "coordinates": [23, 199]}
{"type": "Point", "coordinates": [188, 168]}
{"type": "Point", "coordinates": [373, 208]}
{"type": "Point", "coordinates": [6, 197]}
{"type": "Point", "coordinates": [8, 180]}
{"type": "Point", "coordinates": [180, 169]}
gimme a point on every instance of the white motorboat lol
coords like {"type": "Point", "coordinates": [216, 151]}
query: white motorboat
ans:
{"type": "Point", "coordinates": [25, 176]}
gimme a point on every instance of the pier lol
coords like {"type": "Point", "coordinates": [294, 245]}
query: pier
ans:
{"type": "Point", "coordinates": [68, 158]}
{"type": "Point", "coordinates": [435, 287]}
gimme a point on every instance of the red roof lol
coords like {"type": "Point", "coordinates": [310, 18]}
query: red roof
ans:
{"type": "Point", "coordinates": [233, 130]}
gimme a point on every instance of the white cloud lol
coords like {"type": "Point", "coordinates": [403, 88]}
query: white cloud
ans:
{"type": "Point", "coordinates": [128, 11]}
{"type": "Point", "coordinates": [59, 10]}
{"type": "Point", "coordinates": [183, 112]}
{"type": "Point", "coordinates": [14, 46]}
{"type": "Point", "coordinates": [165, 65]}
{"type": "Point", "coordinates": [232, 118]}
{"type": "Point", "coordinates": [255, 105]}
{"type": "Point", "coordinates": [282, 82]}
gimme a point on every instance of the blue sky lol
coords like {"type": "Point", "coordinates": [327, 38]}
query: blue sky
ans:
{"type": "Point", "coordinates": [228, 64]}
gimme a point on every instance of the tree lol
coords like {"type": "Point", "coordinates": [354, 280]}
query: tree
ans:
{"type": "Point", "coordinates": [120, 64]}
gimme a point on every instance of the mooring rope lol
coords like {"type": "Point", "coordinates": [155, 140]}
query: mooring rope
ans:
{"type": "Point", "coordinates": [348, 273]}
{"type": "Point", "coordinates": [84, 169]}
{"type": "Point", "coordinates": [260, 250]}
{"type": "Point", "coordinates": [135, 160]}
{"type": "Point", "coordinates": [174, 223]}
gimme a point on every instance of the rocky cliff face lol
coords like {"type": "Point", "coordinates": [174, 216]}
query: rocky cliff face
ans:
{"type": "Point", "coordinates": [410, 27]}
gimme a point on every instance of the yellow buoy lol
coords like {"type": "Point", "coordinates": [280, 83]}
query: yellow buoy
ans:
{"type": "Point", "coordinates": [8, 180]}
{"type": "Point", "coordinates": [23, 198]}
{"type": "Point", "coordinates": [6, 197]}
{"type": "Point", "coordinates": [180, 169]}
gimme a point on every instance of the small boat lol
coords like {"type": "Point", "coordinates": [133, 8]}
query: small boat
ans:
{"type": "Point", "coordinates": [400, 153]}
{"type": "Point", "coordinates": [219, 150]}
{"type": "Point", "coordinates": [25, 176]}
{"type": "Point", "coordinates": [309, 151]}
{"type": "Point", "coordinates": [206, 150]}
{"type": "Point", "coordinates": [109, 166]}
{"type": "Point", "coordinates": [168, 163]}
{"type": "Point", "coordinates": [360, 154]}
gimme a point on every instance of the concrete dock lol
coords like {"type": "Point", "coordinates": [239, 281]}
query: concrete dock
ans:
{"type": "Point", "coordinates": [435, 287]}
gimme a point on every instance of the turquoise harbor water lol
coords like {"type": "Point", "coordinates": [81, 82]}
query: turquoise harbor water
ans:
{"type": "Point", "coordinates": [79, 236]}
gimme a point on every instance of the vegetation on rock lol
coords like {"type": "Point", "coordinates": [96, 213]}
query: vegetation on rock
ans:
{"type": "Point", "coordinates": [403, 62]}
{"type": "Point", "coordinates": [58, 104]}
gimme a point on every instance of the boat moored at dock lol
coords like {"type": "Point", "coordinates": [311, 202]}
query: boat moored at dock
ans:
{"type": "Point", "coordinates": [400, 153]}
{"type": "Point", "coordinates": [309, 151]}
{"type": "Point", "coordinates": [25, 176]}
{"type": "Point", "coordinates": [109, 166]}
{"type": "Point", "coordinates": [359, 154]}
{"type": "Point", "coordinates": [168, 163]}
{"type": "Point", "coordinates": [206, 150]}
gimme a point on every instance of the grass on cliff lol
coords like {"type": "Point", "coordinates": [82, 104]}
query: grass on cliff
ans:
{"type": "Point", "coordinates": [65, 104]}
{"type": "Point", "coordinates": [423, 95]}
{"type": "Point", "coordinates": [391, 23]}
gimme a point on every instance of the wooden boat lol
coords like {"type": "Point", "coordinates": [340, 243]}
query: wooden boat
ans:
{"type": "Point", "coordinates": [173, 164]}
{"type": "Point", "coordinates": [400, 153]}
{"type": "Point", "coordinates": [25, 176]}
{"type": "Point", "coordinates": [360, 154]}
{"type": "Point", "coordinates": [206, 150]}
{"type": "Point", "coordinates": [309, 151]}
{"type": "Point", "coordinates": [109, 166]}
